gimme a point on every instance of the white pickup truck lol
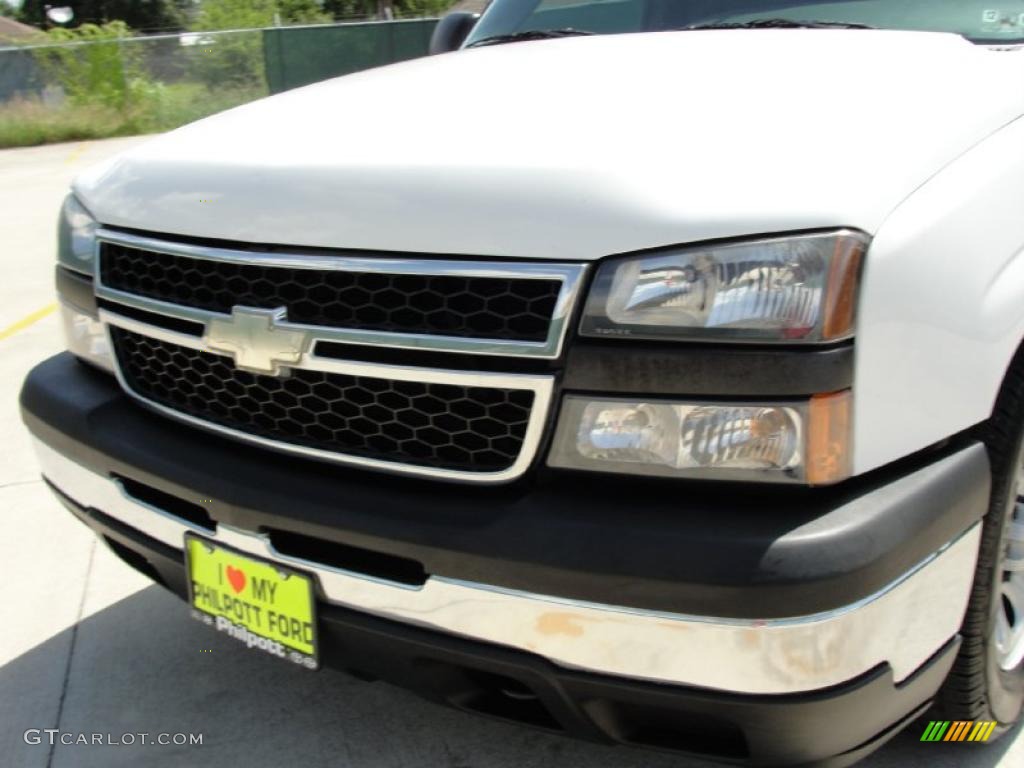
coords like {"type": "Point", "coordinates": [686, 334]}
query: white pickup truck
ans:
{"type": "Point", "coordinates": [645, 371]}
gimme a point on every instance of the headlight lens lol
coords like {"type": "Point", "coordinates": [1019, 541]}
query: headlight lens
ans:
{"type": "Point", "coordinates": [793, 289]}
{"type": "Point", "coordinates": [805, 442]}
{"type": "Point", "coordinates": [76, 237]}
{"type": "Point", "coordinates": [86, 338]}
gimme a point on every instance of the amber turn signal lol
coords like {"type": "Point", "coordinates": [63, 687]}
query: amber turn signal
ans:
{"type": "Point", "coordinates": [829, 456]}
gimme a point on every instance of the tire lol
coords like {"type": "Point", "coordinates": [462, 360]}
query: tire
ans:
{"type": "Point", "coordinates": [987, 678]}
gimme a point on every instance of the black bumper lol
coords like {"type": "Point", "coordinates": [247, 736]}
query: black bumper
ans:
{"type": "Point", "coordinates": [716, 550]}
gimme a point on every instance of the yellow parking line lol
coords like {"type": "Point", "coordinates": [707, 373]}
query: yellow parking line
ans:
{"type": "Point", "coordinates": [75, 153]}
{"type": "Point", "coordinates": [26, 321]}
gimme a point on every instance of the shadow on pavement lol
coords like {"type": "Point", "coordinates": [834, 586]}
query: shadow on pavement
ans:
{"type": "Point", "coordinates": [142, 665]}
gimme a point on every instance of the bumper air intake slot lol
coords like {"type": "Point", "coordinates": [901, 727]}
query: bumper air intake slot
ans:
{"type": "Point", "coordinates": [367, 562]}
{"type": "Point", "coordinates": [174, 505]}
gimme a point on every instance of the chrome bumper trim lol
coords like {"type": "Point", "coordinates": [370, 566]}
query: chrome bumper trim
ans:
{"type": "Point", "coordinates": [903, 624]}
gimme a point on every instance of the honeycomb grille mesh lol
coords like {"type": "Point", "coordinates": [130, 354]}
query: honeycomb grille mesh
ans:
{"type": "Point", "coordinates": [447, 426]}
{"type": "Point", "coordinates": [508, 309]}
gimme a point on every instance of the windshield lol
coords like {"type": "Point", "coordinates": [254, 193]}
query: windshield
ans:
{"type": "Point", "coordinates": [983, 21]}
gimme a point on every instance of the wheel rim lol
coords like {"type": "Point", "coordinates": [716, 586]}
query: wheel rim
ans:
{"type": "Point", "coordinates": [1009, 630]}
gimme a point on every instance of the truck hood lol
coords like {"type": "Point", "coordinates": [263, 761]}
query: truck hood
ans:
{"type": "Point", "coordinates": [577, 148]}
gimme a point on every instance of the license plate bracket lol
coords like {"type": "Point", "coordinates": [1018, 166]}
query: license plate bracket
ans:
{"type": "Point", "coordinates": [264, 605]}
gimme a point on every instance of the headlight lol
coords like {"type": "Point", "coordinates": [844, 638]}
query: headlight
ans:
{"type": "Point", "coordinates": [806, 442]}
{"type": "Point", "coordinates": [86, 338]}
{"type": "Point", "coordinates": [76, 237]}
{"type": "Point", "coordinates": [793, 289]}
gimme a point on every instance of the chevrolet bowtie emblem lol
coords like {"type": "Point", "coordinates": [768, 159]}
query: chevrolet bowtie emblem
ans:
{"type": "Point", "coordinates": [256, 340]}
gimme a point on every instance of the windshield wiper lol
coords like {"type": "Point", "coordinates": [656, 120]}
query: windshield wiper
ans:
{"type": "Point", "coordinates": [533, 34]}
{"type": "Point", "coordinates": [780, 24]}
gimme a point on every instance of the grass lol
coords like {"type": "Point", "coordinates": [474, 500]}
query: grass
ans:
{"type": "Point", "coordinates": [30, 122]}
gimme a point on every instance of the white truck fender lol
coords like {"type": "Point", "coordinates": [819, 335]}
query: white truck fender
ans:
{"type": "Point", "coordinates": [941, 309]}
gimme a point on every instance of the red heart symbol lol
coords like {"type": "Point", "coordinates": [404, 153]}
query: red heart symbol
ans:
{"type": "Point", "coordinates": [237, 579]}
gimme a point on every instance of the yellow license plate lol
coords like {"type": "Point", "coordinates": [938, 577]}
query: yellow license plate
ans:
{"type": "Point", "coordinates": [263, 605]}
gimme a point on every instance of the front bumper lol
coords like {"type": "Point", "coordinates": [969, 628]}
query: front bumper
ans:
{"type": "Point", "coordinates": [755, 682]}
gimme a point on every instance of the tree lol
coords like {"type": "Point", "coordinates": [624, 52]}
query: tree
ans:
{"type": "Point", "coordinates": [302, 12]}
{"type": "Point", "coordinates": [8, 9]}
{"type": "Point", "coordinates": [250, 14]}
{"type": "Point", "coordinates": [234, 14]}
{"type": "Point", "coordinates": [233, 60]}
{"type": "Point", "coordinates": [348, 10]}
{"type": "Point", "coordinates": [140, 15]}
{"type": "Point", "coordinates": [174, 15]}
{"type": "Point", "coordinates": [104, 71]}
{"type": "Point", "coordinates": [408, 9]}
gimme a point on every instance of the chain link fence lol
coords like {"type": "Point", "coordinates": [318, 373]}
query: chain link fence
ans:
{"type": "Point", "coordinates": [157, 82]}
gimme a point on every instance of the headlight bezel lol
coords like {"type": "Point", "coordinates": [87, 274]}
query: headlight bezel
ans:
{"type": "Point", "coordinates": [835, 315]}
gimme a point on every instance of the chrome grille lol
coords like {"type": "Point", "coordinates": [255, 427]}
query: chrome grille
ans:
{"type": "Point", "coordinates": [446, 305]}
{"type": "Point", "coordinates": [478, 429]}
{"type": "Point", "coordinates": [511, 309]}
{"type": "Point", "coordinates": [240, 357]}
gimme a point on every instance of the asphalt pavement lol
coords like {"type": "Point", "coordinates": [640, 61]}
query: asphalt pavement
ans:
{"type": "Point", "coordinates": [89, 646]}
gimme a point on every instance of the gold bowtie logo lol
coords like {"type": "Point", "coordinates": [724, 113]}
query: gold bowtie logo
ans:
{"type": "Point", "coordinates": [257, 339]}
